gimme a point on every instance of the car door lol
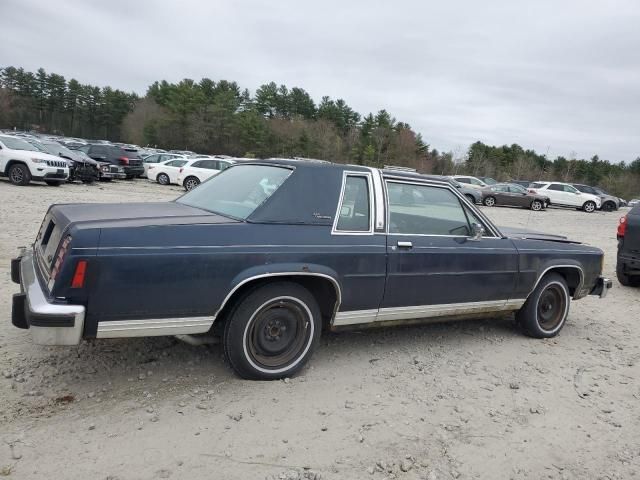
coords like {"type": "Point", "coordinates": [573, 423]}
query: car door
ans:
{"type": "Point", "coordinates": [519, 196]}
{"type": "Point", "coordinates": [556, 193]}
{"type": "Point", "coordinates": [501, 194]}
{"type": "Point", "coordinates": [572, 195]}
{"type": "Point", "coordinates": [434, 267]}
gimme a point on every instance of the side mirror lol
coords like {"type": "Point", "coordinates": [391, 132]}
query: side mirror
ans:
{"type": "Point", "coordinates": [477, 232]}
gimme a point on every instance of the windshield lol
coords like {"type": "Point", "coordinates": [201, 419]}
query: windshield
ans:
{"type": "Point", "coordinates": [517, 188]}
{"type": "Point", "coordinates": [237, 191]}
{"type": "Point", "coordinates": [489, 180]}
{"type": "Point", "coordinates": [18, 144]}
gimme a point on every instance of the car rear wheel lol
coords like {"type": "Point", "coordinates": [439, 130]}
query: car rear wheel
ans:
{"type": "Point", "coordinates": [272, 332]}
{"type": "Point", "coordinates": [609, 207]}
{"type": "Point", "coordinates": [19, 174]}
{"type": "Point", "coordinates": [190, 183]}
{"type": "Point", "coordinates": [163, 179]}
{"type": "Point", "coordinates": [489, 201]}
{"type": "Point", "coordinates": [536, 205]}
{"type": "Point", "coordinates": [546, 310]}
{"type": "Point", "coordinates": [589, 206]}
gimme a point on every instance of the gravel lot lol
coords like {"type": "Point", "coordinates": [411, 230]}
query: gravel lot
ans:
{"type": "Point", "coordinates": [458, 400]}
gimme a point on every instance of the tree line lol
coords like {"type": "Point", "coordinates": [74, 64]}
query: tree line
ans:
{"type": "Point", "coordinates": [221, 117]}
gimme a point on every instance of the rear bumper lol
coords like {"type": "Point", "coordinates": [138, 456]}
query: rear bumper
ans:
{"type": "Point", "coordinates": [135, 171]}
{"type": "Point", "coordinates": [603, 285]}
{"type": "Point", "coordinates": [50, 323]}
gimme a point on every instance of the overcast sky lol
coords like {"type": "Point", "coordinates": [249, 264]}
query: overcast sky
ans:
{"type": "Point", "coordinates": [556, 75]}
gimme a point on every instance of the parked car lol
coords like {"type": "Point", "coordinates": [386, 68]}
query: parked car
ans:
{"type": "Point", "coordinates": [512, 195]}
{"type": "Point", "coordinates": [157, 158]}
{"type": "Point", "coordinates": [565, 195]}
{"type": "Point", "coordinates": [488, 180]}
{"type": "Point", "coordinates": [166, 173]}
{"type": "Point", "coordinates": [608, 203]}
{"type": "Point", "coordinates": [115, 155]}
{"type": "Point", "coordinates": [269, 253]}
{"type": "Point", "coordinates": [81, 167]}
{"type": "Point", "coordinates": [472, 194]}
{"type": "Point", "coordinates": [472, 182]}
{"type": "Point", "coordinates": [194, 173]}
{"type": "Point", "coordinates": [22, 162]}
{"type": "Point", "coordinates": [628, 261]}
{"type": "Point", "coordinates": [186, 153]}
{"type": "Point", "coordinates": [633, 203]}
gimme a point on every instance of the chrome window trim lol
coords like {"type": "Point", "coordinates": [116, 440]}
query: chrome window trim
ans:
{"type": "Point", "coordinates": [356, 317]}
{"type": "Point", "coordinates": [463, 204]}
{"type": "Point", "coordinates": [379, 199]}
{"type": "Point", "coordinates": [351, 173]}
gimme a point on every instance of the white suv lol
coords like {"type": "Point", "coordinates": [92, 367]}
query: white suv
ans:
{"type": "Point", "coordinates": [565, 195]}
{"type": "Point", "coordinates": [23, 162]}
{"type": "Point", "coordinates": [470, 181]}
{"type": "Point", "coordinates": [194, 173]}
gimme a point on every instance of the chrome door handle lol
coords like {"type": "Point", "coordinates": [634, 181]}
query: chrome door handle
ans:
{"type": "Point", "coordinates": [405, 245]}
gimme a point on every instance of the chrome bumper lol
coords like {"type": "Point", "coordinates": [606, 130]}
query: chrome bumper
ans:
{"type": "Point", "coordinates": [50, 323]}
{"type": "Point", "coordinates": [603, 285]}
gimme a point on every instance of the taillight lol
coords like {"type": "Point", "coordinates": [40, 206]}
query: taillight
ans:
{"type": "Point", "coordinates": [62, 253]}
{"type": "Point", "coordinates": [531, 190]}
{"type": "Point", "coordinates": [622, 226]}
{"type": "Point", "coordinates": [78, 276]}
{"type": "Point", "coordinates": [124, 160]}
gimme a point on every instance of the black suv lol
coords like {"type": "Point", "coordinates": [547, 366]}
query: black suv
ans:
{"type": "Point", "coordinates": [129, 159]}
{"type": "Point", "coordinates": [628, 266]}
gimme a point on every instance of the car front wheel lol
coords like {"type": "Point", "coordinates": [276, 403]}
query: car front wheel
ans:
{"type": "Point", "coordinates": [546, 310]}
{"type": "Point", "coordinates": [19, 174]}
{"type": "Point", "coordinates": [272, 332]}
{"type": "Point", "coordinates": [536, 205]}
{"type": "Point", "coordinates": [589, 206]}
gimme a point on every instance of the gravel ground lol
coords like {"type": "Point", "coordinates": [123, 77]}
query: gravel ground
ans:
{"type": "Point", "coordinates": [459, 400]}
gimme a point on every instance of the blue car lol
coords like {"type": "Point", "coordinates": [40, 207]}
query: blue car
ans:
{"type": "Point", "coordinates": [269, 253]}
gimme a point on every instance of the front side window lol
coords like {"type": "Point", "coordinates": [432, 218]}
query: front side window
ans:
{"type": "Point", "coordinates": [237, 192]}
{"type": "Point", "coordinates": [556, 187]}
{"type": "Point", "coordinates": [476, 182]}
{"type": "Point", "coordinates": [463, 180]}
{"type": "Point", "coordinates": [425, 210]}
{"type": "Point", "coordinates": [354, 214]}
{"type": "Point", "coordinates": [152, 159]}
{"type": "Point", "coordinates": [570, 189]}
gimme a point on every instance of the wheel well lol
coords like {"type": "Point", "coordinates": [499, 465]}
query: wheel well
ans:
{"type": "Point", "coordinates": [571, 275]}
{"type": "Point", "coordinates": [10, 163]}
{"type": "Point", "coordinates": [324, 291]}
{"type": "Point", "coordinates": [190, 176]}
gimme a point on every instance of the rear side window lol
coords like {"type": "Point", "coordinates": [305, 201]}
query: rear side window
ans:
{"type": "Point", "coordinates": [556, 187]}
{"type": "Point", "coordinates": [464, 180]}
{"type": "Point", "coordinates": [354, 213]}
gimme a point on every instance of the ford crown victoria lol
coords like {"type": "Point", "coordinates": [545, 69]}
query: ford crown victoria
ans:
{"type": "Point", "coordinates": [269, 253]}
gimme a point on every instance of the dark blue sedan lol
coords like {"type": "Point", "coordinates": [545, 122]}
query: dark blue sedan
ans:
{"type": "Point", "coordinates": [269, 253]}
